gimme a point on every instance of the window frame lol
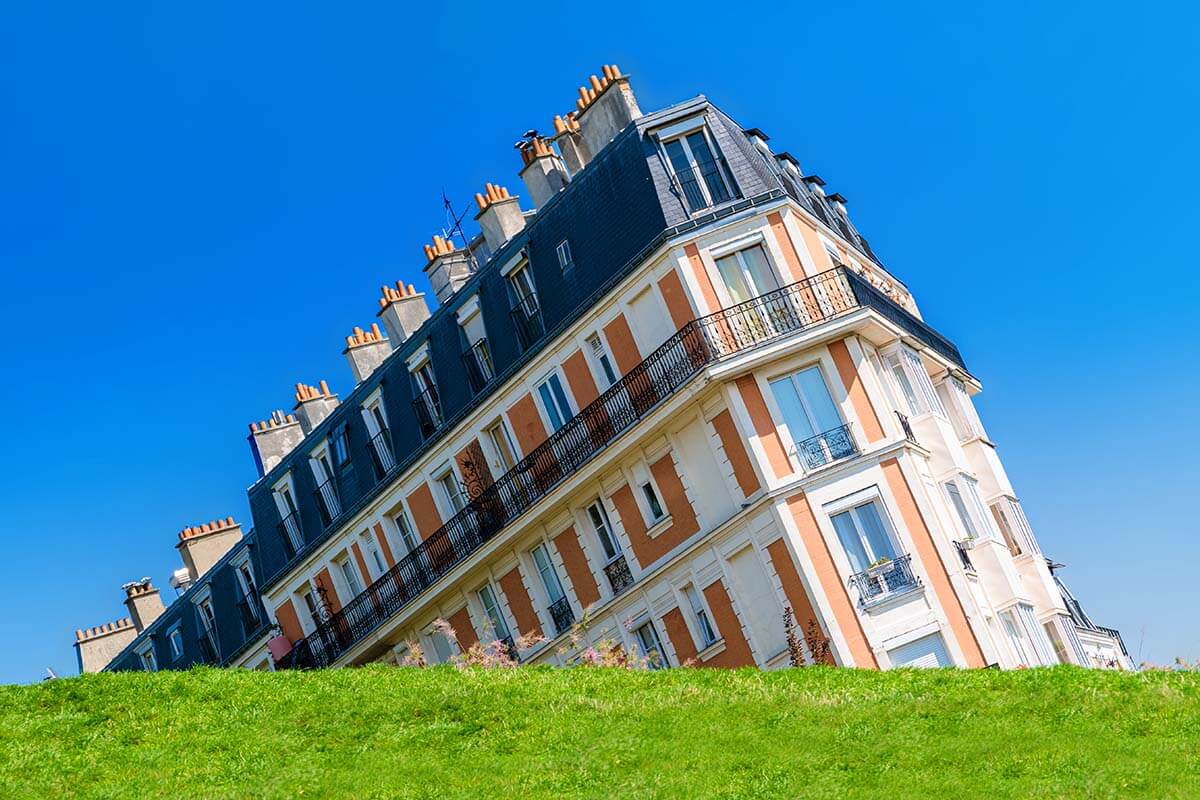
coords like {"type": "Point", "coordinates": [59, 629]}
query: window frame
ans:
{"type": "Point", "coordinates": [646, 623]}
{"type": "Point", "coordinates": [499, 461]}
{"type": "Point", "coordinates": [566, 263]}
{"type": "Point", "coordinates": [850, 505]}
{"type": "Point", "coordinates": [349, 575]}
{"type": "Point", "coordinates": [405, 531]}
{"type": "Point", "coordinates": [453, 498]}
{"type": "Point", "coordinates": [555, 376]}
{"type": "Point", "coordinates": [495, 613]}
{"type": "Point", "coordinates": [701, 616]}
{"type": "Point", "coordinates": [600, 359]}
{"type": "Point", "coordinates": [549, 587]}
{"type": "Point", "coordinates": [175, 645]}
{"type": "Point", "coordinates": [609, 532]}
{"type": "Point", "coordinates": [680, 133]}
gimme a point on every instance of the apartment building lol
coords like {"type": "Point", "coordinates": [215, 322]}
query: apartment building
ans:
{"type": "Point", "coordinates": [676, 392]}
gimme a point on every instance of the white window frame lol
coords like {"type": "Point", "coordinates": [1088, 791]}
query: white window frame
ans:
{"type": "Point", "coordinates": [679, 133]}
{"type": "Point", "coordinates": [906, 362]}
{"type": "Point", "coordinates": [563, 252]}
{"type": "Point", "coordinates": [513, 277]}
{"type": "Point", "coordinates": [375, 557]}
{"type": "Point", "coordinates": [348, 574]}
{"type": "Point", "coordinates": [497, 457]}
{"type": "Point", "coordinates": [977, 524]}
{"type": "Point", "coordinates": [635, 631]}
{"type": "Point", "coordinates": [175, 642]}
{"type": "Point", "coordinates": [320, 460]}
{"type": "Point", "coordinates": [718, 279]}
{"type": "Point", "coordinates": [781, 426]}
{"type": "Point", "coordinates": [1012, 516]}
{"type": "Point", "coordinates": [700, 620]}
{"type": "Point", "coordinates": [208, 622]}
{"type": "Point", "coordinates": [641, 476]}
{"type": "Point", "coordinates": [433, 635]}
{"type": "Point", "coordinates": [556, 375]}
{"type": "Point", "coordinates": [146, 656]}
{"type": "Point", "coordinates": [406, 532]}
{"type": "Point", "coordinates": [600, 359]}
{"type": "Point", "coordinates": [552, 585]}
{"type": "Point", "coordinates": [449, 496]}
{"type": "Point", "coordinates": [249, 586]}
{"type": "Point", "coordinates": [609, 531]}
{"type": "Point", "coordinates": [312, 615]}
{"type": "Point", "coordinates": [851, 503]}
{"type": "Point", "coordinates": [500, 629]}
{"type": "Point", "coordinates": [961, 411]}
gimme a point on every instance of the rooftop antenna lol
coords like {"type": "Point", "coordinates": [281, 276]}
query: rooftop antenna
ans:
{"type": "Point", "coordinates": [454, 228]}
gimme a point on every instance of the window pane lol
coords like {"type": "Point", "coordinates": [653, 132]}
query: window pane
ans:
{"type": "Point", "coordinates": [825, 412]}
{"type": "Point", "coordinates": [678, 156]}
{"type": "Point", "coordinates": [499, 627]}
{"type": "Point", "coordinates": [549, 579]}
{"type": "Point", "coordinates": [874, 532]}
{"type": "Point", "coordinates": [758, 268]}
{"type": "Point", "coordinates": [600, 523]}
{"type": "Point", "coordinates": [652, 501]}
{"type": "Point", "coordinates": [960, 507]}
{"type": "Point", "coordinates": [795, 418]}
{"type": "Point", "coordinates": [735, 280]}
{"type": "Point", "coordinates": [699, 147]}
{"type": "Point", "coordinates": [851, 543]}
{"type": "Point", "coordinates": [556, 420]}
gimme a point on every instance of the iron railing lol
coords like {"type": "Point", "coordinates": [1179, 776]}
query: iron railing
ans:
{"type": "Point", "coordinates": [527, 317]}
{"type": "Point", "coordinates": [825, 448]}
{"type": "Point", "coordinates": [251, 612]}
{"type": "Point", "coordinates": [618, 574]}
{"type": "Point", "coordinates": [478, 361]}
{"type": "Point", "coordinates": [964, 556]}
{"type": "Point", "coordinates": [381, 454]}
{"type": "Point", "coordinates": [327, 502]}
{"type": "Point", "coordinates": [1116, 634]}
{"type": "Point", "coordinates": [707, 184]}
{"type": "Point", "coordinates": [563, 616]}
{"type": "Point", "coordinates": [208, 648]}
{"type": "Point", "coordinates": [877, 582]}
{"type": "Point", "coordinates": [906, 427]}
{"type": "Point", "coordinates": [291, 534]}
{"type": "Point", "coordinates": [428, 408]}
{"type": "Point", "coordinates": [694, 346]}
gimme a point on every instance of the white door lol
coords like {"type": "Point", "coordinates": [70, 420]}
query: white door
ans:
{"type": "Point", "coordinates": [928, 651]}
{"type": "Point", "coordinates": [761, 610]}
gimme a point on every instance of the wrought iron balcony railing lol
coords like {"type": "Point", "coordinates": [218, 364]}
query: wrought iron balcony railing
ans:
{"type": "Point", "coordinates": [563, 616]}
{"type": "Point", "coordinates": [964, 557]}
{"type": "Point", "coordinates": [906, 427]}
{"type": "Point", "coordinates": [208, 648]}
{"type": "Point", "coordinates": [618, 574]}
{"type": "Point", "coordinates": [697, 344]}
{"type": "Point", "coordinates": [291, 534]}
{"type": "Point", "coordinates": [825, 448]}
{"type": "Point", "coordinates": [478, 361]}
{"type": "Point", "coordinates": [381, 454]}
{"type": "Point", "coordinates": [707, 184]}
{"type": "Point", "coordinates": [327, 502]}
{"type": "Point", "coordinates": [890, 577]}
{"type": "Point", "coordinates": [251, 613]}
{"type": "Point", "coordinates": [428, 408]}
{"type": "Point", "coordinates": [527, 317]}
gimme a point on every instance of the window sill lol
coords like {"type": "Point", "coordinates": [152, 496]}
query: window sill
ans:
{"type": "Point", "coordinates": [892, 599]}
{"type": "Point", "coordinates": [658, 527]}
{"type": "Point", "coordinates": [712, 651]}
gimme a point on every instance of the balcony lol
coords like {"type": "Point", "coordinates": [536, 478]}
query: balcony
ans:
{"type": "Point", "coordinates": [327, 502]}
{"type": "Point", "coordinates": [428, 408]}
{"type": "Point", "coordinates": [964, 557]}
{"type": "Point", "coordinates": [825, 448]}
{"type": "Point", "coordinates": [562, 615]}
{"type": "Point", "coordinates": [208, 648]}
{"type": "Point", "coordinates": [706, 185]}
{"type": "Point", "coordinates": [906, 427]}
{"type": "Point", "coordinates": [291, 534]}
{"type": "Point", "coordinates": [382, 459]}
{"type": "Point", "coordinates": [251, 613]}
{"type": "Point", "coordinates": [618, 574]}
{"type": "Point", "coordinates": [884, 580]}
{"type": "Point", "coordinates": [478, 361]}
{"type": "Point", "coordinates": [527, 317]}
{"type": "Point", "coordinates": [696, 345]}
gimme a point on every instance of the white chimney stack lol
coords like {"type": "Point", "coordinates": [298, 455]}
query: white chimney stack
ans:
{"type": "Point", "coordinates": [605, 107]}
{"type": "Point", "coordinates": [402, 310]}
{"type": "Point", "coordinates": [447, 268]}
{"type": "Point", "coordinates": [314, 404]}
{"type": "Point", "coordinates": [499, 216]}
{"type": "Point", "coordinates": [544, 173]}
{"type": "Point", "coordinates": [366, 351]}
{"type": "Point", "coordinates": [272, 439]}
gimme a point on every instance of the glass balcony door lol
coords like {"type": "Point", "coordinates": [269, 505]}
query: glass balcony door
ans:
{"type": "Point", "coordinates": [811, 417]}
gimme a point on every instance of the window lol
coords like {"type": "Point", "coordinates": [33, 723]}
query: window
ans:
{"type": "Point", "coordinates": [963, 492]}
{"type": "Point", "coordinates": [376, 559]}
{"type": "Point", "coordinates": [249, 596]}
{"type": "Point", "coordinates": [554, 401]}
{"type": "Point", "coordinates": [340, 445]}
{"type": "Point", "coordinates": [603, 529]}
{"type": "Point", "coordinates": [811, 418]}
{"type": "Point", "coordinates": [315, 612]}
{"type": "Point", "coordinates": [650, 646]}
{"type": "Point", "coordinates": [698, 169]}
{"type": "Point", "coordinates": [293, 537]}
{"type": "Point", "coordinates": [477, 356]}
{"type": "Point", "coordinates": [330, 506]}
{"type": "Point", "coordinates": [452, 491]}
{"type": "Point", "coordinates": [441, 645]}
{"type": "Point", "coordinates": [747, 274]}
{"type": "Point", "coordinates": [381, 449]}
{"type": "Point", "coordinates": [835, 257]}
{"type": "Point", "coordinates": [502, 445]}
{"type": "Point", "coordinates": [1014, 526]}
{"type": "Point", "coordinates": [541, 559]}
{"type": "Point", "coordinates": [427, 403]}
{"type": "Point", "coordinates": [700, 616]}
{"type": "Point", "coordinates": [910, 376]}
{"type": "Point", "coordinates": [146, 657]}
{"type": "Point", "coordinates": [175, 640]}
{"type": "Point", "coordinates": [350, 575]}
{"type": "Point", "coordinates": [653, 506]}
{"type": "Point", "coordinates": [1015, 639]}
{"type": "Point", "coordinates": [526, 314]}
{"type": "Point", "coordinates": [520, 282]}
{"type": "Point", "coordinates": [405, 531]}
{"type": "Point", "coordinates": [208, 627]}
{"type": "Point", "coordinates": [963, 416]}
{"type": "Point", "coordinates": [601, 361]}
{"type": "Point", "coordinates": [487, 596]}
{"type": "Point", "coordinates": [864, 536]}
{"type": "Point", "coordinates": [564, 254]}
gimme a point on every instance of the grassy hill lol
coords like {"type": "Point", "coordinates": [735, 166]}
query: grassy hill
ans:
{"type": "Point", "coordinates": [603, 733]}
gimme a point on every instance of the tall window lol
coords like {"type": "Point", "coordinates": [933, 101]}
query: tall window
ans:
{"type": "Point", "coordinates": [700, 615]}
{"type": "Point", "coordinates": [293, 538]}
{"type": "Point", "coordinates": [381, 448]}
{"type": "Point", "coordinates": [326, 488]}
{"type": "Point", "coordinates": [811, 417]}
{"type": "Point", "coordinates": [698, 169]}
{"type": "Point", "coordinates": [1014, 526]}
{"type": "Point", "coordinates": [147, 658]}
{"type": "Point", "coordinates": [957, 402]}
{"type": "Point", "coordinates": [526, 313]}
{"type": "Point", "coordinates": [747, 274]}
{"type": "Point", "coordinates": [603, 529]}
{"type": "Point", "coordinates": [339, 445]}
{"type": "Point", "coordinates": [405, 531]}
{"type": "Point", "coordinates": [376, 559]}
{"type": "Point", "coordinates": [487, 596]}
{"type": "Point", "coordinates": [452, 491]}
{"type": "Point", "coordinates": [650, 645]}
{"type": "Point", "coordinates": [312, 606]}
{"type": "Point", "coordinates": [554, 401]}
{"type": "Point", "coordinates": [564, 254]}
{"type": "Point", "coordinates": [541, 559]}
{"type": "Point", "coordinates": [601, 361]}
{"type": "Point", "coordinates": [245, 582]}
{"type": "Point", "coordinates": [175, 640]}
{"type": "Point", "coordinates": [502, 444]}
{"type": "Point", "coordinates": [963, 492]}
{"type": "Point", "coordinates": [913, 381]}
{"type": "Point", "coordinates": [350, 575]}
{"type": "Point", "coordinates": [864, 536]}
{"type": "Point", "coordinates": [520, 282]}
{"type": "Point", "coordinates": [653, 504]}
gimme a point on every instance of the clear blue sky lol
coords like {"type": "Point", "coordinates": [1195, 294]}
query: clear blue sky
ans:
{"type": "Point", "coordinates": [197, 205]}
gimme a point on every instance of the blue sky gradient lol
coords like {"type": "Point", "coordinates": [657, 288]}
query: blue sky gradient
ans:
{"type": "Point", "coordinates": [198, 204]}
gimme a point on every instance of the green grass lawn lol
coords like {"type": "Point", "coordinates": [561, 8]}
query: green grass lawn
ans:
{"type": "Point", "coordinates": [604, 733]}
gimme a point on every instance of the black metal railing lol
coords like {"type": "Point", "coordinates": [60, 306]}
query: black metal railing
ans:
{"type": "Point", "coordinates": [510, 647]}
{"type": "Point", "coordinates": [563, 616]}
{"type": "Point", "coordinates": [291, 534]}
{"type": "Point", "coordinates": [698, 343]}
{"type": "Point", "coordinates": [707, 184]}
{"type": "Point", "coordinates": [884, 579]}
{"type": "Point", "coordinates": [964, 556]}
{"type": "Point", "coordinates": [428, 408]}
{"type": "Point", "coordinates": [527, 317]}
{"type": "Point", "coordinates": [478, 361]}
{"type": "Point", "coordinates": [906, 427]}
{"type": "Point", "coordinates": [1116, 634]}
{"type": "Point", "coordinates": [618, 574]}
{"type": "Point", "coordinates": [825, 448]}
{"type": "Point", "coordinates": [327, 502]}
{"type": "Point", "coordinates": [250, 611]}
{"type": "Point", "coordinates": [381, 454]}
{"type": "Point", "coordinates": [208, 649]}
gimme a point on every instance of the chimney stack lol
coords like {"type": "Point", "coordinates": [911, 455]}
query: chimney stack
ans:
{"type": "Point", "coordinates": [447, 268]}
{"type": "Point", "coordinates": [314, 404]}
{"type": "Point", "coordinates": [96, 647]}
{"type": "Point", "coordinates": [144, 603]}
{"type": "Point", "coordinates": [570, 143]}
{"type": "Point", "coordinates": [366, 350]}
{"type": "Point", "coordinates": [403, 311]}
{"type": "Point", "coordinates": [544, 173]}
{"type": "Point", "coordinates": [271, 440]}
{"type": "Point", "coordinates": [181, 580]}
{"type": "Point", "coordinates": [499, 216]}
{"type": "Point", "coordinates": [202, 546]}
{"type": "Point", "coordinates": [605, 106]}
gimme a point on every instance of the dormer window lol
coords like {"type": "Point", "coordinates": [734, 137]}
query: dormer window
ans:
{"type": "Point", "coordinates": [699, 169]}
{"type": "Point", "coordinates": [326, 494]}
{"type": "Point", "coordinates": [380, 443]}
{"type": "Point", "coordinates": [564, 255]}
{"type": "Point", "coordinates": [477, 354]}
{"type": "Point", "coordinates": [289, 518]}
{"type": "Point", "coordinates": [427, 403]}
{"type": "Point", "coordinates": [526, 311]}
